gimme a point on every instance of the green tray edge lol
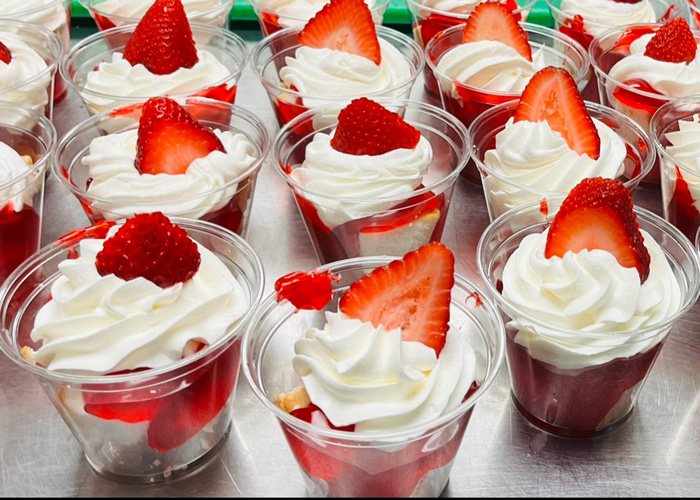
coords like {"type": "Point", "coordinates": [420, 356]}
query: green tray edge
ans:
{"type": "Point", "coordinates": [396, 13]}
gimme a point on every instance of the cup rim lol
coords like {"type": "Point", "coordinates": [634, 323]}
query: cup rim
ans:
{"type": "Point", "coordinates": [640, 334]}
{"type": "Point", "coordinates": [556, 10]}
{"type": "Point", "coordinates": [382, 32]}
{"type": "Point", "coordinates": [90, 122]}
{"type": "Point", "coordinates": [69, 241]}
{"type": "Point", "coordinates": [89, 5]}
{"type": "Point", "coordinates": [655, 125]}
{"type": "Point", "coordinates": [270, 302]}
{"type": "Point", "coordinates": [41, 165]}
{"type": "Point", "coordinates": [527, 27]}
{"type": "Point", "coordinates": [450, 119]}
{"type": "Point", "coordinates": [646, 167]}
{"type": "Point", "coordinates": [461, 15]}
{"type": "Point", "coordinates": [67, 58]}
{"type": "Point", "coordinates": [378, 5]}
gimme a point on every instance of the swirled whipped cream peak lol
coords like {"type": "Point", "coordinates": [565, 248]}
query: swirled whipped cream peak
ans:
{"type": "Point", "coordinates": [388, 358]}
{"type": "Point", "coordinates": [24, 75]}
{"type": "Point", "coordinates": [293, 13]}
{"type": "Point", "coordinates": [171, 163]}
{"type": "Point", "coordinates": [594, 271]}
{"type": "Point", "coordinates": [494, 55]}
{"type": "Point", "coordinates": [144, 297]}
{"type": "Point", "coordinates": [684, 145]}
{"type": "Point", "coordinates": [609, 12]}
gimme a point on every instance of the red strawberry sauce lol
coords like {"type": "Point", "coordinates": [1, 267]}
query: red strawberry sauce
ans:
{"type": "Point", "coordinates": [19, 237]}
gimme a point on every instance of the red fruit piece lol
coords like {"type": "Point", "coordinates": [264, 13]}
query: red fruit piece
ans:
{"type": "Point", "coordinates": [151, 247]}
{"type": "Point", "coordinates": [368, 128]}
{"type": "Point", "coordinates": [673, 42]}
{"type": "Point", "coordinates": [305, 290]}
{"type": "Point", "coordinates": [344, 25]}
{"type": "Point", "coordinates": [5, 54]}
{"type": "Point", "coordinates": [162, 41]}
{"type": "Point", "coordinates": [170, 139]}
{"type": "Point", "coordinates": [112, 402]}
{"type": "Point", "coordinates": [493, 21]}
{"type": "Point", "coordinates": [552, 96]}
{"type": "Point", "coordinates": [412, 293]}
{"type": "Point", "coordinates": [598, 214]}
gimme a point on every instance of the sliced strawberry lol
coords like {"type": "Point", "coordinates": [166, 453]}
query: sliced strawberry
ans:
{"type": "Point", "coordinates": [493, 21]}
{"type": "Point", "coordinates": [673, 42]}
{"type": "Point", "coordinates": [344, 25]}
{"type": "Point", "coordinates": [152, 247]}
{"type": "Point", "coordinates": [598, 214]}
{"type": "Point", "coordinates": [5, 54]}
{"type": "Point", "coordinates": [162, 41]}
{"type": "Point", "coordinates": [170, 139]}
{"type": "Point", "coordinates": [305, 290]}
{"type": "Point", "coordinates": [112, 402]}
{"type": "Point", "coordinates": [576, 29]}
{"type": "Point", "coordinates": [368, 128]}
{"type": "Point", "coordinates": [412, 293]}
{"type": "Point", "coordinates": [552, 95]}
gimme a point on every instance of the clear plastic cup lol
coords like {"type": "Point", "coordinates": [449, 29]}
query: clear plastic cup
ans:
{"type": "Point", "coordinates": [694, 11]}
{"type": "Point", "coordinates": [31, 135]}
{"type": "Point", "coordinates": [275, 16]}
{"type": "Point", "coordinates": [639, 103]}
{"type": "Point", "coordinates": [466, 102]}
{"type": "Point", "coordinates": [227, 205]}
{"type": "Point", "coordinates": [268, 58]}
{"type": "Point", "coordinates": [124, 422]}
{"type": "Point", "coordinates": [428, 20]}
{"type": "Point", "coordinates": [37, 91]}
{"type": "Point", "coordinates": [414, 461]}
{"type": "Point", "coordinates": [503, 194]}
{"type": "Point", "coordinates": [680, 182]}
{"type": "Point", "coordinates": [571, 382]}
{"type": "Point", "coordinates": [345, 227]}
{"type": "Point", "coordinates": [114, 13]}
{"type": "Point", "coordinates": [54, 15]}
{"type": "Point", "coordinates": [229, 48]}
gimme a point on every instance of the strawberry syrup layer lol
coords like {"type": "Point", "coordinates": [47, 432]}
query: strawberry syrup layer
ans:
{"type": "Point", "coordinates": [19, 237]}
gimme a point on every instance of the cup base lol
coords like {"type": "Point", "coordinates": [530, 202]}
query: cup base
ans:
{"type": "Point", "coordinates": [168, 475]}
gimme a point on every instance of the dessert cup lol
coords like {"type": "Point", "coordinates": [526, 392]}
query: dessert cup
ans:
{"type": "Point", "coordinates": [227, 205]}
{"type": "Point", "coordinates": [377, 225]}
{"type": "Point", "coordinates": [227, 47]}
{"type": "Point", "coordinates": [694, 12]}
{"type": "Point", "coordinates": [142, 426]}
{"type": "Point", "coordinates": [275, 16]}
{"type": "Point", "coordinates": [430, 17]}
{"type": "Point", "coordinates": [268, 58]}
{"type": "Point", "coordinates": [503, 194]}
{"type": "Point", "coordinates": [413, 461]}
{"type": "Point", "coordinates": [634, 99]}
{"type": "Point", "coordinates": [680, 183]}
{"type": "Point", "coordinates": [36, 92]}
{"type": "Point", "coordinates": [590, 381]}
{"type": "Point", "coordinates": [21, 198]}
{"type": "Point", "coordinates": [466, 102]}
{"type": "Point", "coordinates": [214, 12]}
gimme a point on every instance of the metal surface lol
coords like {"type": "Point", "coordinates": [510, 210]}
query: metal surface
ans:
{"type": "Point", "coordinates": [656, 452]}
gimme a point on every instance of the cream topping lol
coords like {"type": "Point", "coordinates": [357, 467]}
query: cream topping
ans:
{"type": "Point", "coordinates": [12, 167]}
{"type": "Point", "coordinates": [296, 13]}
{"type": "Point", "coordinates": [27, 66]}
{"type": "Point", "coordinates": [51, 14]}
{"type": "Point", "coordinates": [135, 9]}
{"type": "Point", "coordinates": [609, 13]}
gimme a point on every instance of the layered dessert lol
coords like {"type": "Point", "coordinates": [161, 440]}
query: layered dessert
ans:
{"type": "Point", "coordinates": [172, 163]}
{"type": "Point", "coordinates": [20, 221]}
{"type": "Point", "coordinates": [548, 145]}
{"type": "Point", "coordinates": [585, 296]}
{"type": "Point", "coordinates": [53, 15]}
{"type": "Point", "coordinates": [160, 58]}
{"type": "Point", "coordinates": [168, 298]}
{"type": "Point", "coordinates": [386, 360]}
{"type": "Point", "coordinates": [360, 187]}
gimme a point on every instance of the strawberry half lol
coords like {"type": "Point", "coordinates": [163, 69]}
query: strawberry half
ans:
{"type": "Point", "coordinates": [344, 25]}
{"type": "Point", "coordinates": [162, 41]}
{"type": "Point", "coordinates": [493, 21]}
{"type": "Point", "coordinates": [151, 247]}
{"type": "Point", "coordinates": [598, 214]}
{"type": "Point", "coordinates": [673, 42]}
{"type": "Point", "coordinates": [412, 293]}
{"type": "Point", "coordinates": [170, 139]}
{"type": "Point", "coordinates": [551, 95]}
{"type": "Point", "coordinates": [5, 54]}
{"type": "Point", "coordinates": [367, 128]}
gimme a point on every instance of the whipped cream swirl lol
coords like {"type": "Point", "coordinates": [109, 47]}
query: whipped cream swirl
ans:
{"type": "Point", "coordinates": [370, 377]}
{"type": "Point", "coordinates": [26, 79]}
{"type": "Point", "coordinates": [117, 80]}
{"type": "Point", "coordinates": [532, 155]}
{"type": "Point", "coordinates": [296, 13]}
{"type": "Point", "coordinates": [591, 292]}
{"type": "Point", "coordinates": [340, 177]}
{"type": "Point", "coordinates": [331, 73]}
{"type": "Point", "coordinates": [193, 194]}
{"type": "Point", "coordinates": [100, 324]}
{"type": "Point", "coordinates": [464, 6]}
{"type": "Point", "coordinates": [135, 9]}
{"type": "Point", "coordinates": [51, 14]}
{"type": "Point", "coordinates": [12, 167]}
{"type": "Point", "coordinates": [609, 13]}
{"type": "Point", "coordinates": [488, 65]}
{"type": "Point", "coordinates": [685, 151]}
